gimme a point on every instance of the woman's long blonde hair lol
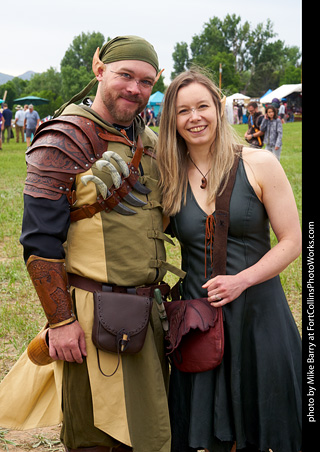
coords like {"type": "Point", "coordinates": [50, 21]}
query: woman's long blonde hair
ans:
{"type": "Point", "coordinates": [172, 155]}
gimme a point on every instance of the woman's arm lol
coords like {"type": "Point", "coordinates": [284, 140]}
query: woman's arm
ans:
{"type": "Point", "coordinates": [271, 185]}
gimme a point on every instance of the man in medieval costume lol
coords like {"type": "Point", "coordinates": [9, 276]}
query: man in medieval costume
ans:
{"type": "Point", "coordinates": [93, 222]}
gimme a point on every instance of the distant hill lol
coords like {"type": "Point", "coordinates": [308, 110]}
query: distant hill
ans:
{"type": "Point", "coordinates": [4, 78]}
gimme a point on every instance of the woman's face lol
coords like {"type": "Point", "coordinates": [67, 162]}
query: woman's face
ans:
{"type": "Point", "coordinates": [196, 115]}
{"type": "Point", "coordinates": [270, 113]}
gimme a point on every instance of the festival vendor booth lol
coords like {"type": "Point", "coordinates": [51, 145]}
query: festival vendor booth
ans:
{"type": "Point", "coordinates": [231, 102]}
{"type": "Point", "coordinates": [155, 101]}
{"type": "Point", "coordinates": [291, 95]}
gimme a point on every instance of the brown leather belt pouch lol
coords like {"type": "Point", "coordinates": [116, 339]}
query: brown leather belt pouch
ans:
{"type": "Point", "coordinates": [120, 321]}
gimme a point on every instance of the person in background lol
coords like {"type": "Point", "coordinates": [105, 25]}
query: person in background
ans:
{"type": "Point", "coordinates": [282, 112]}
{"type": "Point", "coordinates": [25, 109]}
{"type": "Point", "coordinates": [254, 136]}
{"type": "Point", "coordinates": [7, 114]}
{"type": "Point", "coordinates": [240, 113]}
{"type": "Point", "coordinates": [152, 121]}
{"type": "Point", "coordinates": [31, 123]}
{"type": "Point", "coordinates": [253, 400]}
{"type": "Point", "coordinates": [19, 123]}
{"type": "Point", "coordinates": [1, 128]}
{"type": "Point", "coordinates": [272, 128]}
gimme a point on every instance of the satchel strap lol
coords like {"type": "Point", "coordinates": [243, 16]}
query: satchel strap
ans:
{"type": "Point", "coordinates": [222, 220]}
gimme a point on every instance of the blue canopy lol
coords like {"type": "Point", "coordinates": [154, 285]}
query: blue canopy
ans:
{"type": "Point", "coordinates": [155, 101]}
{"type": "Point", "coordinates": [268, 92]}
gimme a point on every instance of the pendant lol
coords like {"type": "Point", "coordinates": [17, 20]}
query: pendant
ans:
{"type": "Point", "coordinates": [203, 183]}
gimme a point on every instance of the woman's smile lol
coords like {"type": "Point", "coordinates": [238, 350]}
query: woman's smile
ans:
{"type": "Point", "coordinates": [197, 129]}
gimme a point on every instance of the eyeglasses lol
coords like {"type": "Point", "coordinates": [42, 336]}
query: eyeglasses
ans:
{"type": "Point", "coordinates": [127, 78]}
{"type": "Point", "coordinates": [188, 111]}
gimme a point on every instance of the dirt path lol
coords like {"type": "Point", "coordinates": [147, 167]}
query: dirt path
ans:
{"type": "Point", "coordinates": [39, 440]}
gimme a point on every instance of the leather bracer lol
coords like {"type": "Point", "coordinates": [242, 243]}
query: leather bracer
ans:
{"type": "Point", "coordinates": [49, 277]}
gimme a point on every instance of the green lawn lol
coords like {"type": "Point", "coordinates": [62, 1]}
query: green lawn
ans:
{"type": "Point", "coordinates": [21, 316]}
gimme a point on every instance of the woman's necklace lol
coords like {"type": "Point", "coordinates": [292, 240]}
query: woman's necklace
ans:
{"type": "Point", "coordinates": [204, 176]}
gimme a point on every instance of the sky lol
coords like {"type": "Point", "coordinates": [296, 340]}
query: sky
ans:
{"type": "Point", "coordinates": [36, 34]}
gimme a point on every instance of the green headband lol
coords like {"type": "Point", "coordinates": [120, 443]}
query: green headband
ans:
{"type": "Point", "coordinates": [119, 49]}
{"type": "Point", "coordinates": [129, 48]}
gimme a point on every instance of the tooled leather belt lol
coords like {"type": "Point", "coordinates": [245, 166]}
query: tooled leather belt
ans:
{"type": "Point", "coordinates": [94, 286]}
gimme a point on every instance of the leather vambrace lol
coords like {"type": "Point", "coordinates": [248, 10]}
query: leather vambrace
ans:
{"type": "Point", "coordinates": [49, 277]}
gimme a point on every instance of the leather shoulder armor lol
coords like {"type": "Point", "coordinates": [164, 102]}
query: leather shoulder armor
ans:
{"type": "Point", "coordinates": [62, 148]}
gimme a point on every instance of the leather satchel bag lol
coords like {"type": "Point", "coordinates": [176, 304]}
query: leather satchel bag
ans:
{"type": "Point", "coordinates": [196, 338]}
{"type": "Point", "coordinates": [195, 341]}
{"type": "Point", "coordinates": [120, 323]}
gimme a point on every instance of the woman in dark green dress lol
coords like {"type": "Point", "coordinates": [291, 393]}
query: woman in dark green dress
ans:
{"type": "Point", "coordinates": [252, 401]}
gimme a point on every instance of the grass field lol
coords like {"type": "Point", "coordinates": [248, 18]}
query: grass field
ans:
{"type": "Point", "coordinates": [21, 316]}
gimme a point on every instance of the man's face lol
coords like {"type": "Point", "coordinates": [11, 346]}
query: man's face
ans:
{"type": "Point", "coordinates": [251, 110]}
{"type": "Point", "coordinates": [124, 90]}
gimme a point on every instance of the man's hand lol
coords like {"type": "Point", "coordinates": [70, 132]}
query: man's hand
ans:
{"type": "Point", "coordinates": [67, 343]}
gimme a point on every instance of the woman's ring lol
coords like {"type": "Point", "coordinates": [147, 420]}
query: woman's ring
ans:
{"type": "Point", "coordinates": [217, 298]}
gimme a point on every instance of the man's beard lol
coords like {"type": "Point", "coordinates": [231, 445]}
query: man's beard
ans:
{"type": "Point", "coordinates": [123, 116]}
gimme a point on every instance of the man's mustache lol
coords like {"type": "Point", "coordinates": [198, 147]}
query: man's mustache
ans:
{"type": "Point", "coordinates": [132, 98]}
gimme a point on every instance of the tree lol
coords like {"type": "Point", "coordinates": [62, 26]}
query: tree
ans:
{"type": "Point", "coordinates": [14, 89]}
{"type": "Point", "coordinates": [251, 63]}
{"type": "Point", "coordinates": [74, 80]}
{"type": "Point", "coordinates": [209, 42]}
{"type": "Point", "coordinates": [50, 80]}
{"type": "Point", "coordinates": [257, 41]}
{"type": "Point", "coordinates": [273, 61]}
{"type": "Point", "coordinates": [180, 58]}
{"type": "Point", "coordinates": [76, 65]}
{"type": "Point", "coordinates": [159, 86]}
{"type": "Point", "coordinates": [236, 36]}
{"type": "Point", "coordinates": [230, 78]}
{"type": "Point", "coordinates": [81, 51]}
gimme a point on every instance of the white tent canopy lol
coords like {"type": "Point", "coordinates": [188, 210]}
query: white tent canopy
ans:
{"type": "Point", "coordinates": [237, 96]}
{"type": "Point", "coordinates": [229, 104]}
{"type": "Point", "coordinates": [282, 91]}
